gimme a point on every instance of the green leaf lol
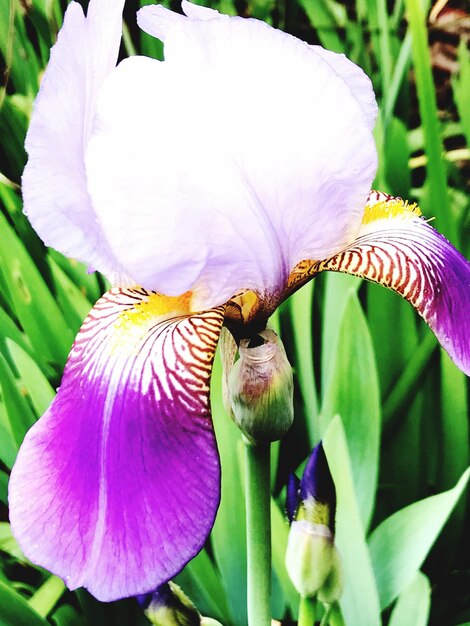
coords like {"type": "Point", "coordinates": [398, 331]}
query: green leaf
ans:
{"type": "Point", "coordinates": [15, 611]}
{"type": "Point", "coordinates": [8, 447]}
{"type": "Point", "coordinates": [359, 602]}
{"type": "Point", "coordinates": [13, 123]}
{"type": "Point", "coordinates": [413, 604]}
{"type": "Point", "coordinates": [353, 393]}
{"type": "Point", "coordinates": [9, 544]}
{"type": "Point", "coordinates": [436, 196]}
{"type": "Point", "coordinates": [46, 597]}
{"type": "Point", "coordinates": [321, 16]}
{"type": "Point", "coordinates": [229, 532]}
{"type": "Point", "coordinates": [71, 299]}
{"type": "Point", "coordinates": [201, 582]}
{"type": "Point", "coordinates": [85, 281]}
{"type": "Point", "coordinates": [13, 204]}
{"type": "Point", "coordinates": [8, 328]}
{"type": "Point", "coordinates": [16, 48]}
{"type": "Point", "coordinates": [403, 458]}
{"type": "Point", "coordinates": [20, 415]}
{"type": "Point", "coordinates": [3, 487]}
{"type": "Point", "coordinates": [400, 544]}
{"type": "Point", "coordinates": [66, 615]}
{"type": "Point", "coordinates": [33, 303]}
{"type": "Point", "coordinates": [39, 388]}
{"type": "Point", "coordinates": [394, 343]}
{"type": "Point", "coordinates": [280, 534]}
{"type": "Point", "coordinates": [461, 87]}
{"type": "Point", "coordinates": [337, 291]}
{"type": "Point", "coordinates": [301, 313]}
{"type": "Point", "coordinates": [397, 153]}
{"type": "Point", "coordinates": [454, 455]}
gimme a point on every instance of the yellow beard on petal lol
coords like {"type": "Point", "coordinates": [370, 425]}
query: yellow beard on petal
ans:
{"type": "Point", "coordinates": [388, 209]}
{"type": "Point", "coordinates": [133, 324]}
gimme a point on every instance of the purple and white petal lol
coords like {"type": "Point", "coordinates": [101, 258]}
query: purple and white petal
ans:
{"type": "Point", "coordinates": [116, 487]}
{"type": "Point", "coordinates": [399, 249]}
{"type": "Point", "coordinates": [56, 198]}
{"type": "Point", "coordinates": [359, 83]}
{"type": "Point", "coordinates": [242, 153]}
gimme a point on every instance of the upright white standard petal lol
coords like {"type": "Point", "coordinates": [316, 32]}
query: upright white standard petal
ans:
{"type": "Point", "coordinates": [56, 198]}
{"type": "Point", "coordinates": [241, 154]}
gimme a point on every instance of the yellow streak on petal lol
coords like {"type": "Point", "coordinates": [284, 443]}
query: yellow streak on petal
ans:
{"type": "Point", "coordinates": [133, 324]}
{"type": "Point", "coordinates": [389, 209]}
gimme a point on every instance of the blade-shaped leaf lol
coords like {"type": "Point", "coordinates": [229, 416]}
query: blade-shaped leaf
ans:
{"type": "Point", "coordinates": [300, 307]}
{"type": "Point", "coordinates": [15, 611]}
{"type": "Point", "coordinates": [20, 415]}
{"type": "Point", "coordinates": [229, 534]}
{"type": "Point", "coordinates": [39, 388]}
{"type": "Point", "coordinates": [46, 597]}
{"type": "Point", "coordinates": [8, 543]}
{"type": "Point", "coordinates": [400, 544]}
{"type": "Point", "coordinates": [360, 601]}
{"type": "Point", "coordinates": [33, 303]}
{"type": "Point", "coordinates": [201, 582]}
{"type": "Point", "coordinates": [280, 533]}
{"type": "Point", "coordinates": [8, 447]}
{"type": "Point", "coordinates": [413, 604]}
{"type": "Point", "coordinates": [353, 393]}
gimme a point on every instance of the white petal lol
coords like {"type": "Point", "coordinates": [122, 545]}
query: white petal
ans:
{"type": "Point", "coordinates": [358, 82]}
{"type": "Point", "coordinates": [197, 12]}
{"type": "Point", "coordinates": [54, 182]}
{"type": "Point", "coordinates": [240, 155]}
{"type": "Point", "coordinates": [156, 20]}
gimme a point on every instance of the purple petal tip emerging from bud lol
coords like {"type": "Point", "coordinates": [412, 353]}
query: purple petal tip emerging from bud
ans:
{"type": "Point", "coordinates": [292, 497]}
{"type": "Point", "coordinates": [317, 482]}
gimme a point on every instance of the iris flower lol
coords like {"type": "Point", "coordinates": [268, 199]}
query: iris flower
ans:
{"type": "Point", "coordinates": [224, 177]}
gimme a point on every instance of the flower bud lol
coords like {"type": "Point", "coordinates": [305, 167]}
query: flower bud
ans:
{"type": "Point", "coordinates": [312, 560]}
{"type": "Point", "coordinates": [169, 606]}
{"type": "Point", "coordinates": [309, 556]}
{"type": "Point", "coordinates": [261, 388]}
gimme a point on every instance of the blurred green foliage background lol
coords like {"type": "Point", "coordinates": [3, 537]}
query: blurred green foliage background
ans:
{"type": "Point", "coordinates": [358, 351]}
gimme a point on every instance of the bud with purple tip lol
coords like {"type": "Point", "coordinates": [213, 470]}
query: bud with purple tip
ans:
{"type": "Point", "coordinates": [312, 559]}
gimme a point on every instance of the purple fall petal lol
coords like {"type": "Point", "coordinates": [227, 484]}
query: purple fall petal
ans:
{"type": "Point", "coordinates": [397, 248]}
{"type": "Point", "coordinates": [116, 487]}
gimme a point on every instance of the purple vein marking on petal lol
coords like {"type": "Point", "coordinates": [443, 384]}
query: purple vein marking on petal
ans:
{"type": "Point", "coordinates": [415, 260]}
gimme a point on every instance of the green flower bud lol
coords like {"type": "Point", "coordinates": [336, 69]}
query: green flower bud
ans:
{"type": "Point", "coordinates": [333, 585]}
{"type": "Point", "coordinates": [261, 388]}
{"type": "Point", "coordinates": [309, 556]}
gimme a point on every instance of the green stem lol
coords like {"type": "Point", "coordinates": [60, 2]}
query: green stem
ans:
{"type": "Point", "coordinates": [258, 533]}
{"type": "Point", "coordinates": [306, 611]}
